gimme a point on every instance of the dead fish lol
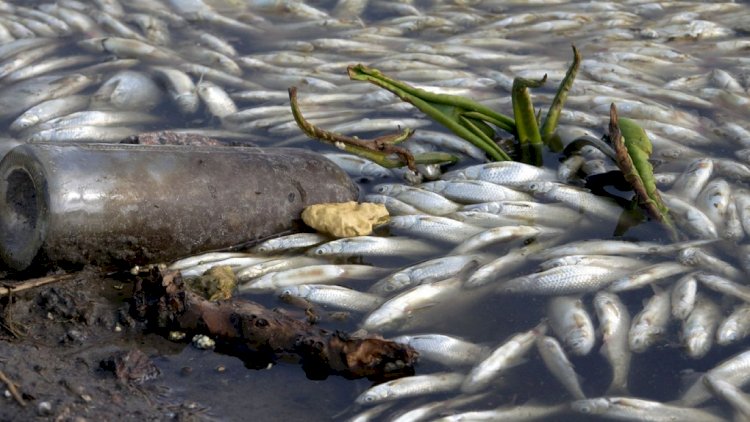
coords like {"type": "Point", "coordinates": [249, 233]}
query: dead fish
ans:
{"type": "Point", "coordinates": [507, 355]}
{"type": "Point", "coordinates": [571, 323]}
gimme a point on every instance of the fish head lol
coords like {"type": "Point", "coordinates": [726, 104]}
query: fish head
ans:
{"type": "Point", "coordinates": [384, 189]}
{"type": "Point", "coordinates": [296, 291]}
{"type": "Point", "coordinates": [330, 248]}
{"type": "Point", "coordinates": [579, 341]}
{"type": "Point", "coordinates": [639, 339]}
{"type": "Point", "coordinates": [470, 173]}
{"type": "Point", "coordinates": [537, 187]}
{"type": "Point", "coordinates": [373, 395]}
{"type": "Point", "coordinates": [728, 333]}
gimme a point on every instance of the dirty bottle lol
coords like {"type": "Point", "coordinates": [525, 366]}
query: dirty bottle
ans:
{"type": "Point", "coordinates": [134, 204]}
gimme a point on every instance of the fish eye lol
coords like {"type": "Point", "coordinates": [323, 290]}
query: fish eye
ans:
{"type": "Point", "coordinates": [319, 251]}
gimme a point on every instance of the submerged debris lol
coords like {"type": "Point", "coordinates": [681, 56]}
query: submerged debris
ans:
{"type": "Point", "coordinates": [261, 336]}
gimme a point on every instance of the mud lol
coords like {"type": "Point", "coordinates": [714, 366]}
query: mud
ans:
{"type": "Point", "coordinates": [74, 354]}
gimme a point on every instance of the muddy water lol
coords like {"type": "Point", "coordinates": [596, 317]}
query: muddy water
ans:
{"type": "Point", "coordinates": [537, 41]}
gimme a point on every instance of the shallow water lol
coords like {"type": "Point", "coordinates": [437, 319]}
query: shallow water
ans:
{"type": "Point", "coordinates": [600, 31]}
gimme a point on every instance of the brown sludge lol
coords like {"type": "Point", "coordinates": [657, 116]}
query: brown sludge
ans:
{"type": "Point", "coordinates": [261, 336]}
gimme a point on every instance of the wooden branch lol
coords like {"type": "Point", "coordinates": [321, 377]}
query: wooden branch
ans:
{"type": "Point", "coordinates": [376, 149]}
{"type": "Point", "coordinates": [260, 336]}
{"type": "Point", "coordinates": [15, 287]}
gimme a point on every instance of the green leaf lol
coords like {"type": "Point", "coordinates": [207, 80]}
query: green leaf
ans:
{"type": "Point", "coordinates": [448, 110]}
{"type": "Point", "coordinates": [553, 115]}
{"type": "Point", "coordinates": [633, 149]}
{"type": "Point", "coordinates": [527, 127]}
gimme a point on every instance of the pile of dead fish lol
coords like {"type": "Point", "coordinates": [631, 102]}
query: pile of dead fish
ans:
{"type": "Point", "coordinates": [479, 239]}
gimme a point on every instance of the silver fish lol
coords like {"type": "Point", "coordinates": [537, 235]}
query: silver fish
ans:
{"type": "Point", "coordinates": [525, 412]}
{"type": "Point", "coordinates": [444, 349]}
{"type": "Point", "coordinates": [608, 247]}
{"type": "Point", "coordinates": [130, 48]}
{"type": "Point", "coordinates": [359, 167]}
{"type": "Point", "coordinates": [529, 211]}
{"type": "Point", "coordinates": [496, 269]}
{"type": "Point", "coordinates": [289, 242]}
{"type": "Point", "coordinates": [632, 409]}
{"type": "Point", "coordinates": [25, 58]}
{"type": "Point", "coordinates": [614, 324]}
{"type": "Point", "coordinates": [483, 219]}
{"type": "Point", "coordinates": [393, 205]}
{"type": "Point", "coordinates": [699, 329]}
{"type": "Point", "coordinates": [204, 259]}
{"type": "Point", "coordinates": [400, 307]}
{"type": "Point", "coordinates": [506, 173]}
{"type": "Point", "coordinates": [49, 110]}
{"type": "Point", "coordinates": [734, 370]}
{"type": "Point", "coordinates": [216, 99]}
{"type": "Point", "coordinates": [429, 202]}
{"type": "Point", "coordinates": [683, 296]}
{"type": "Point", "coordinates": [564, 280]}
{"type": "Point", "coordinates": [739, 400]}
{"type": "Point", "coordinates": [507, 355]}
{"type": "Point", "coordinates": [609, 261]}
{"type": "Point", "coordinates": [697, 257]}
{"type": "Point", "coordinates": [374, 246]}
{"type": "Point", "coordinates": [723, 285]}
{"type": "Point", "coordinates": [416, 385]}
{"type": "Point", "coordinates": [742, 201]}
{"type": "Point", "coordinates": [249, 272]}
{"type": "Point", "coordinates": [155, 29]}
{"type": "Point", "coordinates": [324, 273]}
{"type": "Point", "coordinates": [714, 199]}
{"type": "Point", "coordinates": [97, 118]}
{"type": "Point", "coordinates": [433, 227]}
{"type": "Point", "coordinates": [501, 234]}
{"type": "Point", "coordinates": [571, 323]}
{"type": "Point", "coordinates": [17, 98]}
{"type": "Point", "coordinates": [334, 296]}
{"type": "Point", "coordinates": [180, 87]}
{"type": "Point", "coordinates": [128, 90]}
{"type": "Point", "coordinates": [474, 191]}
{"type": "Point", "coordinates": [647, 275]}
{"type": "Point", "coordinates": [426, 272]}
{"type": "Point", "coordinates": [735, 327]}
{"type": "Point", "coordinates": [234, 262]}
{"type": "Point", "coordinates": [690, 183]}
{"type": "Point", "coordinates": [650, 324]}
{"type": "Point", "coordinates": [558, 364]}
{"type": "Point", "coordinates": [109, 134]}
{"type": "Point", "coordinates": [578, 199]}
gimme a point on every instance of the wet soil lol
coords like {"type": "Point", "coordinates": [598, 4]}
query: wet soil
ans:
{"type": "Point", "coordinates": [74, 354]}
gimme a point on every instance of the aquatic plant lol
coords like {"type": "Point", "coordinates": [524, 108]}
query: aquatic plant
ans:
{"type": "Point", "coordinates": [633, 149]}
{"type": "Point", "coordinates": [473, 122]}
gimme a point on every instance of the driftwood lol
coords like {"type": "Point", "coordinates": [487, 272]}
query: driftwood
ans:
{"type": "Point", "coordinates": [261, 336]}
